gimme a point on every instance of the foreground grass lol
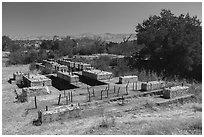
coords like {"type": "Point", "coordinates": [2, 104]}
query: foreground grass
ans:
{"type": "Point", "coordinates": [150, 120]}
{"type": "Point", "coordinates": [174, 127]}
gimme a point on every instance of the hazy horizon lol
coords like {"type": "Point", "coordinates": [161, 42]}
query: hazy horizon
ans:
{"type": "Point", "coordinates": [48, 19]}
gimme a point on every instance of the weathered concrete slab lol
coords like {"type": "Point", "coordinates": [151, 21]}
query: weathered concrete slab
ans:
{"type": "Point", "coordinates": [126, 79]}
{"type": "Point", "coordinates": [68, 77]}
{"type": "Point", "coordinates": [97, 74]}
{"type": "Point", "coordinates": [180, 99]}
{"type": "Point", "coordinates": [23, 94]}
{"type": "Point", "coordinates": [176, 91]}
{"type": "Point", "coordinates": [60, 112]}
{"type": "Point", "coordinates": [152, 85]}
{"type": "Point", "coordinates": [36, 80]}
{"type": "Point", "coordinates": [36, 91]}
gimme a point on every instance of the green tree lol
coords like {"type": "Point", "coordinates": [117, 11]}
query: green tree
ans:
{"type": "Point", "coordinates": [172, 44]}
{"type": "Point", "coordinates": [6, 41]}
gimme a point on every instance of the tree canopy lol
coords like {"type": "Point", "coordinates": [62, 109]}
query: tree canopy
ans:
{"type": "Point", "coordinates": [172, 44]}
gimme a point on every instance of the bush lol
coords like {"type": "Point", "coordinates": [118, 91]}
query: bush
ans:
{"type": "Point", "coordinates": [107, 121]}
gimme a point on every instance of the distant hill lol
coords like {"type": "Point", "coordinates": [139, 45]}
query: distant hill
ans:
{"type": "Point", "coordinates": [104, 36]}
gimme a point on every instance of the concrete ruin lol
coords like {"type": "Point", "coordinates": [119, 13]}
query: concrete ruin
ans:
{"type": "Point", "coordinates": [126, 79]}
{"type": "Point", "coordinates": [59, 113]}
{"type": "Point", "coordinates": [18, 76]}
{"type": "Point", "coordinates": [54, 66]}
{"type": "Point", "coordinates": [152, 85]}
{"type": "Point", "coordinates": [97, 74]}
{"type": "Point", "coordinates": [61, 68]}
{"type": "Point", "coordinates": [173, 92]}
{"type": "Point", "coordinates": [68, 77]}
{"type": "Point", "coordinates": [78, 66]}
{"type": "Point", "coordinates": [31, 80]}
{"type": "Point", "coordinates": [23, 94]}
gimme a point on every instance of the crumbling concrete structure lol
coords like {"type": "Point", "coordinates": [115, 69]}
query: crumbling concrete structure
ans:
{"type": "Point", "coordinates": [31, 80]}
{"type": "Point", "coordinates": [177, 91]}
{"type": "Point", "coordinates": [61, 68]}
{"type": "Point", "coordinates": [23, 94]}
{"type": "Point", "coordinates": [152, 85]}
{"type": "Point", "coordinates": [97, 74]}
{"type": "Point", "coordinates": [68, 77]}
{"type": "Point", "coordinates": [126, 79]}
{"type": "Point", "coordinates": [84, 66]}
{"type": "Point", "coordinates": [59, 113]}
{"type": "Point", "coordinates": [79, 66]}
{"type": "Point", "coordinates": [18, 76]}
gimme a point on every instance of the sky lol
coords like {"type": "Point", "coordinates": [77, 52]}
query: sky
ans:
{"type": "Point", "coordinates": [37, 19]}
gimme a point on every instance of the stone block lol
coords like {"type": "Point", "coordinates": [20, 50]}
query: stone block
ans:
{"type": "Point", "coordinates": [126, 79]}
{"type": "Point", "coordinates": [68, 77]}
{"type": "Point", "coordinates": [36, 80]}
{"type": "Point", "coordinates": [36, 91]}
{"type": "Point", "coordinates": [176, 91]}
{"type": "Point", "coordinates": [152, 85]}
{"type": "Point", "coordinates": [97, 74]}
{"type": "Point", "coordinates": [60, 112]}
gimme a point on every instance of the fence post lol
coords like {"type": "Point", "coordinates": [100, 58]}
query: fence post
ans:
{"type": "Point", "coordinates": [71, 97]}
{"type": "Point", "coordinates": [89, 96]}
{"type": "Point", "coordinates": [107, 93]}
{"type": "Point", "coordinates": [59, 99]}
{"type": "Point", "coordinates": [126, 88]}
{"type": "Point", "coordinates": [93, 93]}
{"type": "Point", "coordinates": [133, 86]}
{"type": "Point", "coordinates": [46, 108]}
{"type": "Point", "coordinates": [114, 88]}
{"type": "Point", "coordinates": [67, 100]}
{"type": "Point", "coordinates": [101, 94]}
{"type": "Point", "coordinates": [118, 91]}
{"type": "Point", "coordinates": [136, 85]}
{"type": "Point", "coordinates": [36, 103]}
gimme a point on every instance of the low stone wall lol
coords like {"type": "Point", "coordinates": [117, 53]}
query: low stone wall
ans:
{"type": "Point", "coordinates": [68, 77]}
{"type": "Point", "coordinates": [126, 79]}
{"type": "Point", "coordinates": [152, 85]}
{"type": "Point", "coordinates": [60, 112]}
{"type": "Point", "coordinates": [23, 94]}
{"type": "Point", "coordinates": [36, 91]}
{"type": "Point", "coordinates": [97, 74]}
{"type": "Point", "coordinates": [176, 91]}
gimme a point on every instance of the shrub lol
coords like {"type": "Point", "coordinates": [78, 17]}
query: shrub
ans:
{"type": "Point", "coordinates": [107, 121]}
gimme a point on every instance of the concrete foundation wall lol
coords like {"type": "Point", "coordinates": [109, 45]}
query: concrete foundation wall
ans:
{"type": "Point", "coordinates": [76, 65]}
{"type": "Point", "coordinates": [36, 91]}
{"type": "Point", "coordinates": [61, 112]}
{"type": "Point", "coordinates": [36, 80]}
{"type": "Point", "coordinates": [68, 77]}
{"type": "Point", "coordinates": [97, 74]}
{"type": "Point", "coordinates": [127, 79]}
{"type": "Point", "coordinates": [152, 85]}
{"type": "Point", "coordinates": [176, 91]}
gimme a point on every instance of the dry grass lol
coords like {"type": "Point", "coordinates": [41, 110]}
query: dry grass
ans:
{"type": "Point", "coordinates": [107, 121]}
{"type": "Point", "coordinates": [197, 107]}
{"type": "Point", "coordinates": [16, 120]}
{"type": "Point", "coordinates": [174, 127]}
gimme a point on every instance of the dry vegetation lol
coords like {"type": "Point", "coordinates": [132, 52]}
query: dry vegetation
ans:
{"type": "Point", "coordinates": [137, 116]}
